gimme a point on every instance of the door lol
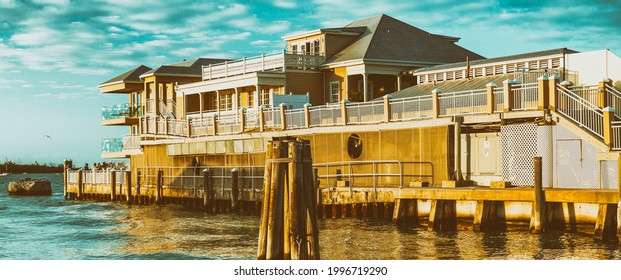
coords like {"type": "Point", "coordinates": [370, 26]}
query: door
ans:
{"type": "Point", "coordinates": [568, 163]}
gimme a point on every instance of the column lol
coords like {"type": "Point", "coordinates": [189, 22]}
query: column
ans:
{"type": "Point", "coordinates": [543, 90]}
{"type": "Point", "coordinates": [218, 102]}
{"type": "Point", "coordinates": [200, 95]}
{"type": "Point", "coordinates": [553, 91]}
{"type": "Point", "coordinates": [491, 100]}
{"type": "Point", "coordinates": [436, 102]}
{"type": "Point", "coordinates": [365, 86]}
{"type": "Point", "coordinates": [399, 82]}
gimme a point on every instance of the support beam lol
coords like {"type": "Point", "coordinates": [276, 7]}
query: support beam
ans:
{"type": "Point", "coordinates": [606, 224]}
{"type": "Point", "coordinates": [365, 86]}
{"type": "Point", "coordinates": [537, 223]}
{"type": "Point", "coordinates": [491, 100]}
{"type": "Point", "coordinates": [543, 90]}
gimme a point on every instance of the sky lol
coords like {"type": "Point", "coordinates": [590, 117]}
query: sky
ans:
{"type": "Point", "coordinates": [54, 53]}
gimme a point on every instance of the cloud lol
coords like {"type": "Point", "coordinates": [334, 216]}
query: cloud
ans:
{"type": "Point", "coordinates": [285, 4]}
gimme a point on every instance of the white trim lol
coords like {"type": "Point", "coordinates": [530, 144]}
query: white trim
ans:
{"type": "Point", "coordinates": [338, 88]}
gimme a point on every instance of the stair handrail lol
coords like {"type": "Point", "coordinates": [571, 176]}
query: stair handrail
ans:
{"type": "Point", "coordinates": [594, 113]}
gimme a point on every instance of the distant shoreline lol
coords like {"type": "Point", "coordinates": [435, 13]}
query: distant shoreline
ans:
{"type": "Point", "coordinates": [15, 168]}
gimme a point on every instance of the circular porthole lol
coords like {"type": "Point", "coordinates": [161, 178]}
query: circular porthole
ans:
{"type": "Point", "coordinates": [354, 146]}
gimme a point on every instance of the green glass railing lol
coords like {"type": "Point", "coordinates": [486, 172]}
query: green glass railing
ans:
{"type": "Point", "coordinates": [120, 111]}
{"type": "Point", "coordinates": [112, 145]}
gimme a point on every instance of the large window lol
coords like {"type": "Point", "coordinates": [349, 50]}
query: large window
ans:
{"type": "Point", "coordinates": [335, 92]}
{"type": "Point", "coordinates": [226, 101]}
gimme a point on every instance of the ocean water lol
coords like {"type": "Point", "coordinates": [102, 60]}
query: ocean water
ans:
{"type": "Point", "coordinates": [48, 227]}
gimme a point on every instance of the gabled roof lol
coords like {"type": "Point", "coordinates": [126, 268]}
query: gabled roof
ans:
{"type": "Point", "coordinates": [184, 68]}
{"type": "Point", "coordinates": [129, 76]}
{"type": "Point", "coordinates": [452, 86]}
{"type": "Point", "coordinates": [552, 52]}
{"type": "Point", "coordinates": [388, 39]}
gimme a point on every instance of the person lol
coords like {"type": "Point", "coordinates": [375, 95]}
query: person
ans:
{"type": "Point", "coordinates": [86, 166]}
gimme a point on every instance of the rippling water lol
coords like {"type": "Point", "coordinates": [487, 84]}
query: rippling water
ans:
{"type": "Point", "coordinates": [49, 227]}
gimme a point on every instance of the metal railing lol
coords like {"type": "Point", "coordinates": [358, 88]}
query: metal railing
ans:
{"type": "Point", "coordinates": [411, 108]}
{"type": "Point", "coordinates": [589, 93]}
{"type": "Point", "coordinates": [275, 61]}
{"type": "Point", "coordinates": [614, 99]}
{"type": "Point", "coordinates": [365, 112]}
{"type": "Point", "coordinates": [120, 111]}
{"type": "Point", "coordinates": [295, 118]}
{"type": "Point", "coordinates": [190, 178]}
{"type": "Point", "coordinates": [228, 124]}
{"type": "Point", "coordinates": [581, 111]}
{"type": "Point", "coordinates": [325, 115]}
{"type": "Point", "coordinates": [131, 142]}
{"type": "Point", "coordinates": [525, 96]}
{"type": "Point", "coordinates": [201, 127]}
{"type": "Point", "coordinates": [380, 173]}
{"type": "Point", "coordinates": [462, 102]}
{"type": "Point", "coordinates": [252, 118]}
{"type": "Point", "coordinates": [499, 99]}
{"type": "Point", "coordinates": [95, 177]}
{"type": "Point", "coordinates": [150, 106]}
{"type": "Point", "coordinates": [271, 118]}
{"type": "Point", "coordinates": [616, 135]}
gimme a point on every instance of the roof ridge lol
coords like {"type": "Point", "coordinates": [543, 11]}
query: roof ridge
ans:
{"type": "Point", "coordinates": [373, 37]}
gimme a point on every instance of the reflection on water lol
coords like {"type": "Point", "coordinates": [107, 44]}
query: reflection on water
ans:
{"type": "Point", "coordinates": [52, 228]}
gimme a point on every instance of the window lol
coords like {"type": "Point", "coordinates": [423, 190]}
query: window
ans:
{"type": "Point", "coordinates": [251, 99]}
{"type": "Point", "coordinates": [294, 49]}
{"type": "Point", "coordinates": [335, 92]}
{"type": "Point", "coordinates": [226, 101]}
{"type": "Point", "coordinates": [265, 97]}
{"type": "Point", "coordinates": [316, 47]}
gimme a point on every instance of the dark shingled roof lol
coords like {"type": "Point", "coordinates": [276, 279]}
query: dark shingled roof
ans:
{"type": "Point", "coordinates": [452, 86]}
{"type": "Point", "coordinates": [389, 39]}
{"type": "Point", "coordinates": [129, 76]}
{"type": "Point", "coordinates": [559, 51]}
{"type": "Point", "coordinates": [186, 67]}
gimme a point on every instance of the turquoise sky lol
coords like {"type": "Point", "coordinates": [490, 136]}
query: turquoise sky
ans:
{"type": "Point", "coordinates": [54, 53]}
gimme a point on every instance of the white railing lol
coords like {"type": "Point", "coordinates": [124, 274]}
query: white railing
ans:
{"type": "Point", "coordinates": [161, 125]}
{"type": "Point", "coordinates": [525, 96]}
{"type": "Point", "coordinates": [165, 111]}
{"type": "Point", "coordinates": [151, 124]}
{"type": "Point", "coordinates": [271, 118]}
{"type": "Point", "coordinates": [201, 127]}
{"type": "Point", "coordinates": [580, 111]}
{"type": "Point", "coordinates": [365, 112]}
{"type": "Point", "coordinates": [616, 135]}
{"type": "Point", "coordinates": [252, 118]}
{"type": "Point", "coordinates": [177, 127]}
{"type": "Point", "coordinates": [589, 93]}
{"type": "Point", "coordinates": [325, 115]}
{"type": "Point", "coordinates": [614, 99]}
{"type": "Point", "coordinates": [131, 142]}
{"type": "Point", "coordinates": [228, 124]}
{"type": "Point", "coordinates": [295, 118]}
{"type": "Point", "coordinates": [95, 177]}
{"type": "Point", "coordinates": [276, 61]}
{"type": "Point", "coordinates": [411, 108]}
{"type": "Point", "coordinates": [150, 106]}
{"type": "Point", "coordinates": [499, 99]}
{"type": "Point", "coordinates": [462, 102]}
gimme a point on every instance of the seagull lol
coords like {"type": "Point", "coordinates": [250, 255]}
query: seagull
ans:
{"type": "Point", "coordinates": [47, 136]}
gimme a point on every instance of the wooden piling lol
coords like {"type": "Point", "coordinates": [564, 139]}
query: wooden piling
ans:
{"type": "Point", "coordinates": [311, 195]}
{"type": "Point", "coordinates": [128, 184]}
{"type": "Point", "coordinates": [65, 177]}
{"type": "Point", "coordinates": [158, 189]}
{"type": "Point", "coordinates": [606, 224]}
{"type": "Point", "coordinates": [275, 225]}
{"type": "Point", "coordinates": [442, 216]}
{"type": "Point", "coordinates": [235, 190]}
{"type": "Point", "coordinates": [288, 215]}
{"type": "Point", "coordinates": [138, 177]}
{"type": "Point", "coordinates": [112, 175]}
{"type": "Point", "coordinates": [538, 213]}
{"type": "Point", "coordinates": [206, 188]}
{"type": "Point", "coordinates": [80, 184]}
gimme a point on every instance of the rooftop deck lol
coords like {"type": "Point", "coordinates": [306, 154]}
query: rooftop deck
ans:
{"type": "Point", "coordinates": [270, 62]}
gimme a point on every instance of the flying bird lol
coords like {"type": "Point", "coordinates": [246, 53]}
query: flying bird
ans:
{"type": "Point", "coordinates": [47, 136]}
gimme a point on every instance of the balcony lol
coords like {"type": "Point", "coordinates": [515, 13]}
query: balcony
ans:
{"type": "Point", "coordinates": [122, 114]}
{"type": "Point", "coordinates": [271, 62]}
{"type": "Point", "coordinates": [121, 147]}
